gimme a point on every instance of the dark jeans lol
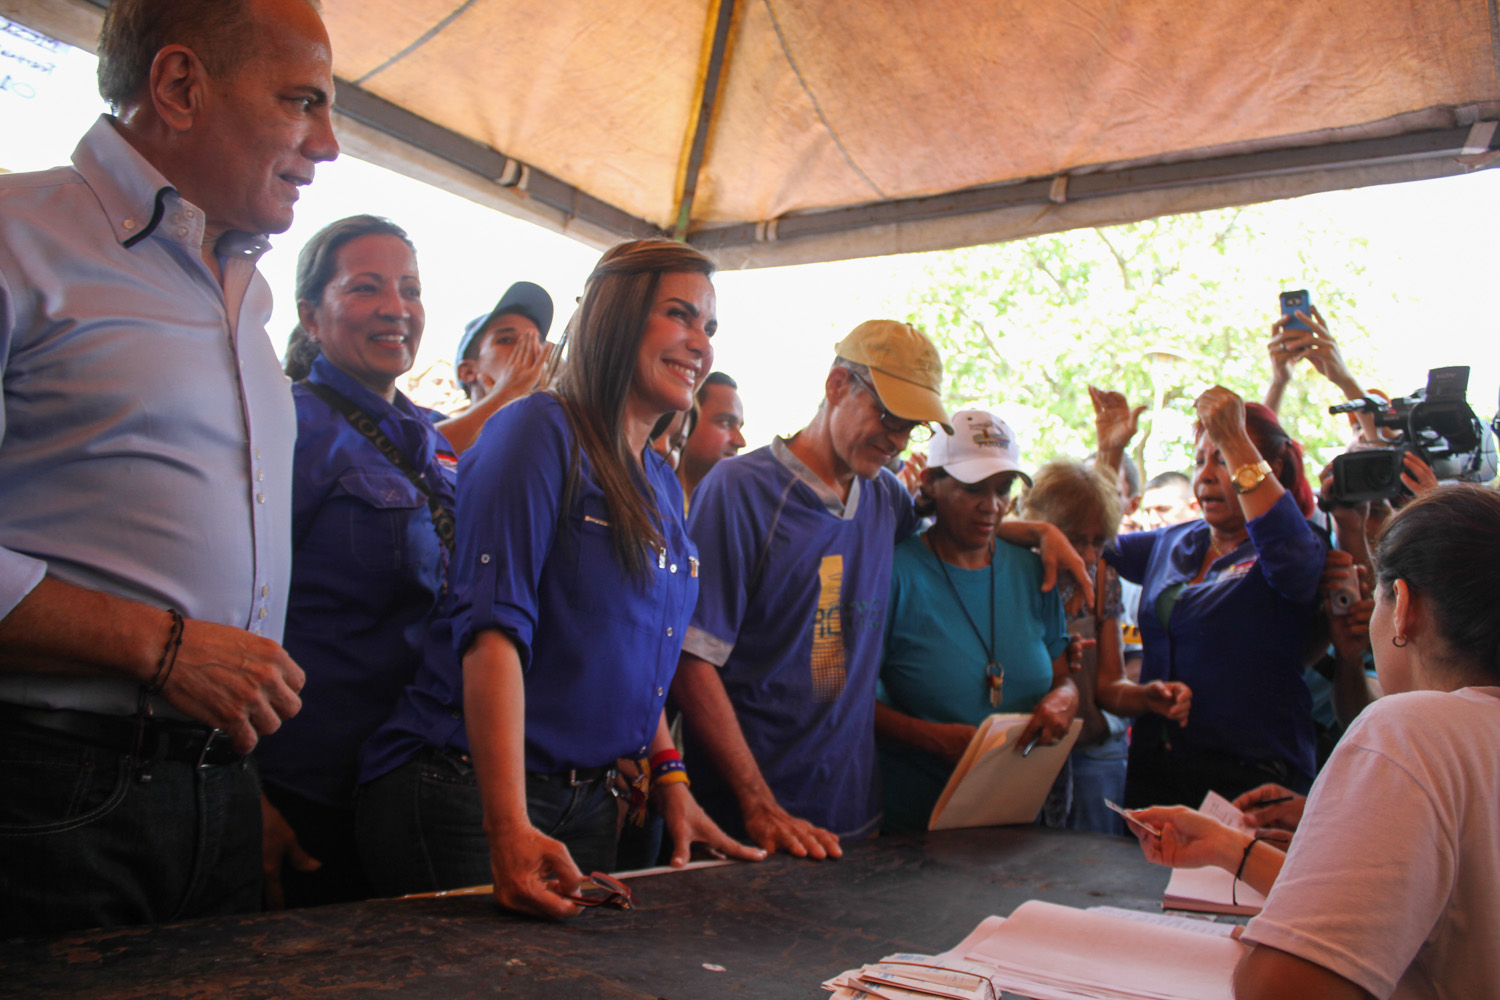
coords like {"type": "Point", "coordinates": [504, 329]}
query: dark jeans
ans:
{"type": "Point", "coordinates": [327, 833]}
{"type": "Point", "coordinates": [1156, 776]}
{"type": "Point", "coordinates": [84, 843]}
{"type": "Point", "coordinates": [421, 827]}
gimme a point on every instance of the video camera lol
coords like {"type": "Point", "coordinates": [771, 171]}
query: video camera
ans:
{"type": "Point", "coordinates": [1436, 424]}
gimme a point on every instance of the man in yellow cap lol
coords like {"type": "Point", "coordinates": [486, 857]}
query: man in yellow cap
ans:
{"type": "Point", "coordinates": [777, 677]}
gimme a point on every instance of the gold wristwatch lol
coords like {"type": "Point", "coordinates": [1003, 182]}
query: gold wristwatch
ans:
{"type": "Point", "coordinates": [1248, 477]}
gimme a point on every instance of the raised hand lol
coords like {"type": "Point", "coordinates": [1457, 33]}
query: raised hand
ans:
{"type": "Point", "coordinates": [1114, 420]}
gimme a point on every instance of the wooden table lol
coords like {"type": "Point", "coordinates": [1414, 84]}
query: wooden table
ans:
{"type": "Point", "coordinates": [775, 929]}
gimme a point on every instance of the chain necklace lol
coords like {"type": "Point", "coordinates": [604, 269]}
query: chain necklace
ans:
{"type": "Point", "coordinates": [994, 673]}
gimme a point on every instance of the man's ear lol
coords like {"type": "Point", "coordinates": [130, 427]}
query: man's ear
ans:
{"type": "Point", "coordinates": [176, 86]}
{"type": "Point", "coordinates": [838, 384]}
{"type": "Point", "coordinates": [465, 371]}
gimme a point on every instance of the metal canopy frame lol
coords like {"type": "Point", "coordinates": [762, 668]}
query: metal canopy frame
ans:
{"type": "Point", "coordinates": [484, 173]}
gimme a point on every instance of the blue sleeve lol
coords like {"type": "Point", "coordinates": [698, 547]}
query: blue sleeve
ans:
{"type": "Point", "coordinates": [1290, 552]}
{"type": "Point", "coordinates": [19, 573]}
{"type": "Point", "coordinates": [1130, 554]}
{"type": "Point", "coordinates": [723, 526]}
{"type": "Point", "coordinates": [906, 513]}
{"type": "Point", "coordinates": [510, 486]}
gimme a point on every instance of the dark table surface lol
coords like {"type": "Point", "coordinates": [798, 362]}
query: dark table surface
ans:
{"type": "Point", "coordinates": [777, 929]}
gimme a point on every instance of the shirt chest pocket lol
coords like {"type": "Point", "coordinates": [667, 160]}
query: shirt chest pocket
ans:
{"type": "Point", "coordinates": [598, 586]}
{"type": "Point", "coordinates": [382, 513]}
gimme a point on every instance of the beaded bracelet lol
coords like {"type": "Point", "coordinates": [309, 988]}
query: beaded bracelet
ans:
{"type": "Point", "coordinates": [662, 756]}
{"type": "Point", "coordinates": [670, 770]}
{"type": "Point", "coordinates": [168, 655]}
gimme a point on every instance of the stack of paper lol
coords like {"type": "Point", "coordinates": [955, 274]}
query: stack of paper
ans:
{"type": "Point", "coordinates": [914, 977]}
{"type": "Point", "coordinates": [1055, 952]}
{"type": "Point", "coordinates": [1052, 952]}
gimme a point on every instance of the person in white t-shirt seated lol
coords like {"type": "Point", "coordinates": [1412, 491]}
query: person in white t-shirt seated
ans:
{"type": "Point", "coordinates": [1391, 886]}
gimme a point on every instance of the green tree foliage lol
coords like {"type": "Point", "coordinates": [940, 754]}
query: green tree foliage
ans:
{"type": "Point", "coordinates": [1027, 326]}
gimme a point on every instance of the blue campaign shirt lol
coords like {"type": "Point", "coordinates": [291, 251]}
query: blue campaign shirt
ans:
{"type": "Point", "coordinates": [934, 667]}
{"type": "Point", "coordinates": [146, 427]}
{"type": "Point", "coordinates": [598, 646]}
{"type": "Point", "coordinates": [367, 572]}
{"type": "Point", "coordinates": [792, 609]}
{"type": "Point", "coordinates": [1237, 638]}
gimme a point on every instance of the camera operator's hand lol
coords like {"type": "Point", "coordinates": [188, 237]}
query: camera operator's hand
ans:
{"type": "Point", "coordinates": [1351, 520]}
{"type": "Point", "coordinates": [1417, 475]}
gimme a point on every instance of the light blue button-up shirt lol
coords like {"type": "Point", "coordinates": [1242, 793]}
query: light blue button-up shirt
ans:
{"type": "Point", "coordinates": [146, 431]}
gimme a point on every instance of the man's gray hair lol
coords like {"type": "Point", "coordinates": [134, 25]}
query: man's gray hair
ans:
{"type": "Point", "coordinates": [220, 32]}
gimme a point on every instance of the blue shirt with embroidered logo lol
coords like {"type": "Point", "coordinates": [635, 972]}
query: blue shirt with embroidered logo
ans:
{"type": "Point", "coordinates": [367, 572]}
{"type": "Point", "coordinates": [597, 644]}
{"type": "Point", "coordinates": [1237, 638]}
{"type": "Point", "coordinates": [792, 611]}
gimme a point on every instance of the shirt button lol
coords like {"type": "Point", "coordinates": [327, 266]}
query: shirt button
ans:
{"type": "Point", "coordinates": [190, 214]}
{"type": "Point", "coordinates": [262, 613]}
{"type": "Point", "coordinates": [182, 230]}
{"type": "Point", "coordinates": [260, 498]}
{"type": "Point", "coordinates": [669, 631]}
{"type": "Point", "coordinates": [265, 590]}
{"type": "Point", "coordinates": [485, 558]}
{"type": "Point", "coordinates": [659, 692]}
{"type": "Point", "coordinates": [128, 223]}
{"type": "Point", "coordinates": [259, 476]}
{"type": "Point", "coordinates": [457, 715]}
{"type": "Point", "coordinates": [674, 567]}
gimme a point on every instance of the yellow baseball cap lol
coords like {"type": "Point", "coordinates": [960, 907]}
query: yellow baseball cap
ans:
{"type": "Point", "coordinates": [905, 366]}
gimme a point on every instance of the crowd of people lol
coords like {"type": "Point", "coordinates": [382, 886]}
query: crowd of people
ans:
{"type": "Point", "coordinates": [290, 639]}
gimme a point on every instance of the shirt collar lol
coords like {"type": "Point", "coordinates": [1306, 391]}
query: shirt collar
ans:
{"type": "Point", "coordinates": [794, 465]}
{"type": "Point", "coordinates": [140, 202]}
{"type": "Point", "coordinates": [325, 372]}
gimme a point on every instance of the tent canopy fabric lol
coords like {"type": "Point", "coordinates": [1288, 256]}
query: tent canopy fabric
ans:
{"type": "Point", "coordinates": [787, 131]}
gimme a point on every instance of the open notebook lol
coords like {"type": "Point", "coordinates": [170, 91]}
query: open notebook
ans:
{"type": "Point", "coordinates": [1053, 952]}
{"type": "Point", "coordinates": [1212, 889]}
{"type": "Point", "coordinates": [994, 785]}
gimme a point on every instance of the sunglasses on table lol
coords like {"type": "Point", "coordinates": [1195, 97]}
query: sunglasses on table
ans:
{"type": "Point", "coordinates": [600, 889]}
{"type": "Point", "coordinates": [917, 430]}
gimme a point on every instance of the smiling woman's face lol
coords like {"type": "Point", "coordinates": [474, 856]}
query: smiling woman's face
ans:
{"type": "Point", "coordinates": [676, 351]}
{"type": "Point", "coordinates": [369, 321]}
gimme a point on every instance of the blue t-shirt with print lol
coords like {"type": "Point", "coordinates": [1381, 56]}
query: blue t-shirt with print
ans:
{"type": "Point", "coordinates": [791, 607]}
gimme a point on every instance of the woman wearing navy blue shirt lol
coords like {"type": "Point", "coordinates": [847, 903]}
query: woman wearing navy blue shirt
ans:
{"type": "Point", "coordinates": [573, 582]}
{"type": "Point", "coordinates": [367, 560]}
{"type": "Point", "coordinates": [1227, 606]}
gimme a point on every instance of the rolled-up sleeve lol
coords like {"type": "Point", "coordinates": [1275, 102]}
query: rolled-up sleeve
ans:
{"type": "Point", "coordinates": [1291, 553]}
{"type": "Point", "coordinates": [1129, 554]}
{"type": "Point", "coordinates": [510, 488]}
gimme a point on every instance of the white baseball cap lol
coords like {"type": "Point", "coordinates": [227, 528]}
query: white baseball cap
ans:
{"type": "Point", "coordinates": [981, 445]}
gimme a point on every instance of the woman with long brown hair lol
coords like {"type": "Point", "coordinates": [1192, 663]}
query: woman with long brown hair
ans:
{"type": "Point", "coordinates": [572, 585]}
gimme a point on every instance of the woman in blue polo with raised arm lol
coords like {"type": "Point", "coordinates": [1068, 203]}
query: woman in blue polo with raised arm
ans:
{"type": "Point", "coordinates": [573, 582]}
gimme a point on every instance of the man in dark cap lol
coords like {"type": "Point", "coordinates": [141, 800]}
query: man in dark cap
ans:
{"type": "Point", "coordinates": [501, 356]}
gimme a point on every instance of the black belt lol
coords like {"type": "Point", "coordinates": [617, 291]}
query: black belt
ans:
{"type": "Point", "coordinates": [148, 739]}
{"type": "Point", "coordinates": [577, 776]}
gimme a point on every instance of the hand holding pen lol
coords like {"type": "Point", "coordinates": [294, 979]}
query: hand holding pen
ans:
{"type": "Point", "coordinates": [1271, 805]}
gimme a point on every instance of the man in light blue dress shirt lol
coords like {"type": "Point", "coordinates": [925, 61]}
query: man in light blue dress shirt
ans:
{"type": "Point", "coordinates": [146, 439]}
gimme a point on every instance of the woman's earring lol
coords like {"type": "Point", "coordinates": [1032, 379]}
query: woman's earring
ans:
{"type": "Point", "coordinates": [1399, 640]}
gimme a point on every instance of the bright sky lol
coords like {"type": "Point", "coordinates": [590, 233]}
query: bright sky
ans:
{"type": "Point", "coordinates": [1431, 243]}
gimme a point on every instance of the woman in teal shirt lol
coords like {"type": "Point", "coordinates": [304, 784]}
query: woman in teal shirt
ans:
{"type": "Point", "coordinates": [969, 631]}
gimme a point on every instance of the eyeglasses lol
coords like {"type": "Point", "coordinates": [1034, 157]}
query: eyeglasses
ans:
{"type": "Point", "coordinates": [916, 430]}
{"type": "Point", "coordinates": [604, 891]}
